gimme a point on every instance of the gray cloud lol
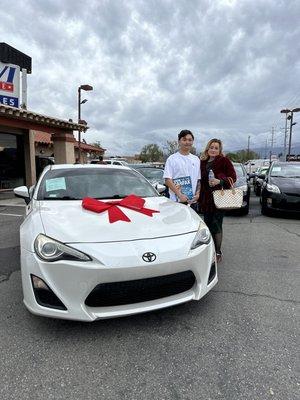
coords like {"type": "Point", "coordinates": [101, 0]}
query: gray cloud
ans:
{"type": "Point", "coordinates": [221, 68]}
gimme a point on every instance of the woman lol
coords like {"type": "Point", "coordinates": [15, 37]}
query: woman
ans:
{"type": "Point", "coordinates": [213, 160]}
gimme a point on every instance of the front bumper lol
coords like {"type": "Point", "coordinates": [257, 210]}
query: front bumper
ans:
{"type": "Point", "coordinates": [72, 282]}
{"type": "Point", "coordinates": [288, 203]}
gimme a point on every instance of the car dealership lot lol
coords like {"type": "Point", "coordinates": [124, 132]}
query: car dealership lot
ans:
{"type": "Point", "coordinates": [239, 342]}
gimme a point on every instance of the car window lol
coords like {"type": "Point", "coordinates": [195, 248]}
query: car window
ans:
{"type": "Point", "coordinates": [263, 171]}
{"type": "Point", "coordinates": [77, 183]}
{"type": "Point", "coordinates": [152, 173]}
{"type": "Point", "coordinates": [285, 170]}
{"type": "Point", "coordinates": [239, 170]}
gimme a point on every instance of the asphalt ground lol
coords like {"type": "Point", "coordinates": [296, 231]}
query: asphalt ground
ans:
{"type": "Point", "coordinates": [240, 342]}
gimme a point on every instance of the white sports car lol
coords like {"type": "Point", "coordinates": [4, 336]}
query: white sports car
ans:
{"type": "Point", "coordinates": [98, 241]}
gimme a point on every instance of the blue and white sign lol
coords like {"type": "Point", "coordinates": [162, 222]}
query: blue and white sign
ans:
{"type": "Point", "coordinates": [9, 84]}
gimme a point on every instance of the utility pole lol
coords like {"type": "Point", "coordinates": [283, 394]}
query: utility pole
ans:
{"type": "Point", "coordinates": [290, 136]}
{"type": "Point", "coordinates": [290, 117]}
{"type": "Point", "coordinates": [285, 137]}
{"type": "Point", "coordinates": [266, 148]}
{"type": "Point", "coordinates": [248, 149]}
{"type": "Point", "coordinates": [272, 142]}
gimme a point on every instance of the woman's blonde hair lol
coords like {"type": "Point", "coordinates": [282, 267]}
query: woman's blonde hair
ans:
{"type": "Point", "coordinates": [204, 155]}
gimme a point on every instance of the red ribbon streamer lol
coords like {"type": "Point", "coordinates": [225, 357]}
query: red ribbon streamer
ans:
{"type": "Point", "coordinates": [114, 212]}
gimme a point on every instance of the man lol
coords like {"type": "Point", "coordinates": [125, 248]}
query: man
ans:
{"type": "Point", "coordinates": [182, 171]}
{"type": "Point", "coordinates": [100, 160]}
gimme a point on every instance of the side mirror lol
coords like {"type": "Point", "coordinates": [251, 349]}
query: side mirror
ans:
{"type": "Point", "coordinates": [160, 188]}
{"type": "Point", "coordinates": [22, 192]}
{"type": "Point", "coordinates": [31, 191]}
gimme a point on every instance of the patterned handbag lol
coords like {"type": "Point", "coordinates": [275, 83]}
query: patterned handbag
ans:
{"type": "Point", "coordinates": [228, 199]}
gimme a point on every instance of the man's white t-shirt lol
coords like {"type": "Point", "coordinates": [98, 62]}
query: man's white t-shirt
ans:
{"type": "Point", "coordinates": [178, 166]}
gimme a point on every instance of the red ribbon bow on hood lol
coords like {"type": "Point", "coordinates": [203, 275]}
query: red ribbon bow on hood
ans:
{"type": "Point", "coordinates": [114, 213]}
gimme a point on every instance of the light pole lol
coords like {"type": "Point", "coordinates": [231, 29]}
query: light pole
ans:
{"type": "Point", "coordinates": [290, 117]}
{"type": "Point", "coordinates": [86, 88]}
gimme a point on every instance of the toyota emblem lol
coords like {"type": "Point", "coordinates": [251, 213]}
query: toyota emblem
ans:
{"type": "Point", "coordinates": [149, 257]}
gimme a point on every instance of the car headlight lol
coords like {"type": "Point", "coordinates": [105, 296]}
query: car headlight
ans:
{"type": "Point", "coordinates": [273, 188]}
{"type": "Point", "coordinates": [51, 250]}
{"type": "Point", "coordinates": [202, 236]}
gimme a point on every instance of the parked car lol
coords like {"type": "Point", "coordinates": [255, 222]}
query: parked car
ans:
{"type": "Point", "coordinates": [116, 162]}
{"type": "Point", "coordinates": [242, 182]}
{"type": "Point", "coordinates": [253, 165]}
{"type": "Point", "coordinates": [153, 174]}
{"type": "Point", "coordinates": [257, 181]}
{"type": "Point", "coordinates": [99, 242]}
{"type": "Point", "coordinates": [281, 188]}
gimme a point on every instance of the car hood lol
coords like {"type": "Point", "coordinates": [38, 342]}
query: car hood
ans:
{"type": "Point", "coordinates": [68, 222]}
{"type": "Point", "coordinates": [289, 185]}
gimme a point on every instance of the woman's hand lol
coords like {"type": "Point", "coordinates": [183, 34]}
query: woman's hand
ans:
{"type": "Point", "coordinates": [214, 182]}
{"type": "Point", "coordinates": [194, 199]}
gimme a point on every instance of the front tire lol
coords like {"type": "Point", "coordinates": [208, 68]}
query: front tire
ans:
{"type": "Point", "coordinates": [264, 209]}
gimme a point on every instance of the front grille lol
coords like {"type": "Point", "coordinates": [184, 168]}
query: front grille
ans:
{"type": "Point", "coordinates": [140, 290]}
{"type": "Point", "coordinates": [293, 194]}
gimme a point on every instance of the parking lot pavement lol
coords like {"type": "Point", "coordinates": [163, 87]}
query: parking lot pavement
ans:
{"type": "Point", "coordinates": [238, 343]}
{"type": "Point", "coordinates": [12, 207]}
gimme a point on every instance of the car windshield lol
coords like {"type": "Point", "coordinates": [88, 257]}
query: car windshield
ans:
{"type": "Point", "coordinates": [286, 170]}
{"type": "Point", "coordinates": [263, 171]}
{"type": "Point", "coordinates": [99, 183]}
{"type": "Point", "coordinates": [152, 173]}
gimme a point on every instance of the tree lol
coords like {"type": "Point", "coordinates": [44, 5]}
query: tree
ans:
{"type": "Point", "coordinates": [233, 157]}
{"type": "Point", "coordinates": [242, 156]}
{"type": "Point", "coordinates": [170, 148]}
{"type": "Point", "coordinates": [151, 152]}
{"type": "Point", "coordinates": [97, 144]}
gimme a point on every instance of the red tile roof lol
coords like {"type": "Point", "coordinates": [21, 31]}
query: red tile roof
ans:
{"type": "Point", "coordinates": [44, 137]}
{"type": "Point", "coordinates": [89, 147]}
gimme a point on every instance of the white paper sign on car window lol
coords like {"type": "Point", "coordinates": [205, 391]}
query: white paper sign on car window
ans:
{"type": "Point", "coordinates": [55, 184]}
{"type": "Point", "coordinates": [276, 169]}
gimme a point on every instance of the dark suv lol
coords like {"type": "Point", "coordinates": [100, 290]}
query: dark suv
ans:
{"type": "Point", "coordinates": [281, 189]}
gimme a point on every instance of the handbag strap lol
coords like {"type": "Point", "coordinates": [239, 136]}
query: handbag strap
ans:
{"type": "Point", "coordinates": [230, 180]}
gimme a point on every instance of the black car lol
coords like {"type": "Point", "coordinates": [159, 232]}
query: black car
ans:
{"type": "Point", "coordinates": [281, 188]}
{"type": "Point", "coordinates": [153, 174]}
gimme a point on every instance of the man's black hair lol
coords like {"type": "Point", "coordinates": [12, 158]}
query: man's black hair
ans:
{"type": "Point", "coordinates": [184, 133]}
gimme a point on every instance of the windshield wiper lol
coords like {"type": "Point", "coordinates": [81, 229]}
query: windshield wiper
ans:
{"type": "Point", "coordinates": [115, 196]}
{"type": "Point", "coordinates": [61, 198]}
{"type": "Point", "coordinates": [278, 176]}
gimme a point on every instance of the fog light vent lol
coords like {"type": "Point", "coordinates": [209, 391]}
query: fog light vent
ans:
{"type": "Point", "coordinates": [44, 295]}
{"type": "Point", "coordinates": [212, 273]}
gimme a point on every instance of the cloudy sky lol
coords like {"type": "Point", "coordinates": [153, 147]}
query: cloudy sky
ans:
{"type": "Point", "coordinates": [221, 68]}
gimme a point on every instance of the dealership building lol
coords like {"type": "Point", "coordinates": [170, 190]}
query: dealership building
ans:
{"type": "Point", "coordinates": [26, 135]}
